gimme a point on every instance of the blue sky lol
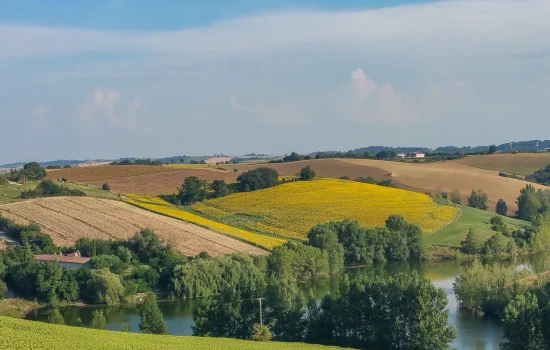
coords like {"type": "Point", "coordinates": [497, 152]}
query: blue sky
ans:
{"type": "Point", "coordinates": [107, 79]}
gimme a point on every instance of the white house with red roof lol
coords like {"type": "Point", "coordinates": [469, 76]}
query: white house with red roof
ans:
{"type": "Point", "coordinates": [71, 261]}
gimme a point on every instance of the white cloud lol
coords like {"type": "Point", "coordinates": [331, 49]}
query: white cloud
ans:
{"type": "Point", "coordinates": [105, 104]}
{"type": "Point", "coordinates": [38, 114]}
{"type": "Point", "coordinates": [446, 28]}
{"type": "Point", "coordinates": [379, 102]}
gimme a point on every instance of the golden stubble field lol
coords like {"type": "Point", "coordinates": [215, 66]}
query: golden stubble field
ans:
{"type": "Point", "coordinates": [66, 219]}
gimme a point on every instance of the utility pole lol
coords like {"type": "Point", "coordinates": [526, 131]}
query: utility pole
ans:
{"type": "Point", "coordinates": [260, 300]}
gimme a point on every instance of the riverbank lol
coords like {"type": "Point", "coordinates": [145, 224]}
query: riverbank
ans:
{"type": "Point", "coordinates": [18, 308]}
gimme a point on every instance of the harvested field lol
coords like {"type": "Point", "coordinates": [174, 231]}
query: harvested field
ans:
{"type": "Point", "coordinates": [105, 172]}
{"type": "Point", "coordinates": [446, 176]}
{"type": "Point", "coordinates": [66, 219]}
{"type": "Point", "coordinates": [521, 163]}
{"type": "Point", "coordinates": [142, 179]}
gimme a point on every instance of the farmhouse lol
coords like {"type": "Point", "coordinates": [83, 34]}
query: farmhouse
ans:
{"type": "Point", "coordinates": [417, 155]}
{"type": "Point", "coordinates": [71, 261]}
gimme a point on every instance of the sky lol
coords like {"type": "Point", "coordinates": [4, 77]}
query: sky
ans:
{"type": "Point", "coordinates": [95, 79]}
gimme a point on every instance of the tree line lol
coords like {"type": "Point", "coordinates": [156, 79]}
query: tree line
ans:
{"type": "Point", "coordinates": [505, 293]}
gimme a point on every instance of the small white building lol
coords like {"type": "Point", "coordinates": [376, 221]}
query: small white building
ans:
{"type": "Point", "coordinates": [417, 155]}
{"type": "Point", "coordinates": [71, 261]}
{"type": "Point", "coordinates": [401, 155]}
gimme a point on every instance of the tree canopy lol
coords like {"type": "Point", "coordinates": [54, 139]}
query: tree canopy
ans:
{"type": "Point", "coordinates": [257, 179]}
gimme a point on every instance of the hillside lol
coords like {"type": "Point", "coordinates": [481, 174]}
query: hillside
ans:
{"type": "Point", "coordinates": [521, 163]}
{"type": "Point", "coordinates": [292, 209]}
{"type": "Point", "coordinates": [66, 219]}
{"type": "Point", "coordinates": [22, 334]}
{"type": "Point", "coordinates": [422, 177]}
{"type": "Point", "coordinates": [452, 234]}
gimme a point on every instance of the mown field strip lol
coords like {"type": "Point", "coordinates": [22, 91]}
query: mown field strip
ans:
{"type": "Point", "coordinates": [68, 218]}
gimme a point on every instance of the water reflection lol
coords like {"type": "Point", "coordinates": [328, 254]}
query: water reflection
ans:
{"type": "Point", "coordinates": [473, 332]}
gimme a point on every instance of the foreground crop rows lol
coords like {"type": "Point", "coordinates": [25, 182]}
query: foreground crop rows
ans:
{"type": "Point", "coordinates": [68, 218]}
{"type": "Point", "coordinates": [22, 334]}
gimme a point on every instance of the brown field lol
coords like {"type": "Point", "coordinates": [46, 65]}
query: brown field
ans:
{"type": "Point", "coordinates": [66, 219]}
{"type": "Point", "coordinates": [140, 179]}
{"type": "Point", "coordinates": [105, 172]}
{"type": "Point", "coordinates": [521, 163]}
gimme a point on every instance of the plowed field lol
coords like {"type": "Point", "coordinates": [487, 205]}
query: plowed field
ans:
{"type": "Point", "coordinates": [66, 219]}
{"type": "Point", "coordinates": [142, 179]}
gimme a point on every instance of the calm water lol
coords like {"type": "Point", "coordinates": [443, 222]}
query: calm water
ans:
{"type": "Point", "coordinates": [473, 332]}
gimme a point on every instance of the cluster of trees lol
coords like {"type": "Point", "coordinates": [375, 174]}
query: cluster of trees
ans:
{"type": "Point", "coordinates": [118, 270]}
{"type": "Point", "coordinates": [361, 315]}
{"type": "Point", "coordinates": [370, 180]}
{"type": "Point", "coordinates": [48, 188]}
{"type": "Point", "coordinates": [292, 157]}
{"type": "Point", "coordinates": [541, 176]}
{"type": "Point", "coordinates": [194, 189]}
{"type": "Point", "coordinates": [31, 171]}
{"type": "Point", "coordinates": [499, 291]}
{"type": "Point", "coordinates": [57, 166]}
{"type": "Point", "coordinates": [348, 242]}
{"type": "Point", "coordinates": [533, 205]}
{"type": "Point", "coordinates": [29, 235]}
{"type": "Point", "coordinates": [146, 161]}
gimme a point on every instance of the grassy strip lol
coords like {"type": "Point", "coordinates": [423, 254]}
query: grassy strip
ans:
{"type": "Point", "coordinates": [453, 233]}
{"type": "Point", "coordinates": [17, 308]}
{"type": "Point", "coordinates": [23, 334]}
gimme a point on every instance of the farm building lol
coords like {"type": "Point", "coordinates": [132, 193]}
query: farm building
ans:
{"type": "Point", "coordinates": [71, 261]}
{"type": "Point", "coordinates": [417, 155]}
{"type": "Point", "coordinates": [401, 155]}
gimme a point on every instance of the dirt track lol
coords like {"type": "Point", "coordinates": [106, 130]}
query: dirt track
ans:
{"type": "Point", "coordinates": [66, 219]}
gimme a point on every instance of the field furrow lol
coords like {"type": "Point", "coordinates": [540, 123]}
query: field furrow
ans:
{"type": "Point", "coordinates": [68, 218]}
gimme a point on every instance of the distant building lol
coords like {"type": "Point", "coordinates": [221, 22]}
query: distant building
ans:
{"type": "Point", "coordinates": [71, 261]}
{"type": "Point", "coordinates": [417, 155]}
{"type": "Point", "coordinates": [401, 155]}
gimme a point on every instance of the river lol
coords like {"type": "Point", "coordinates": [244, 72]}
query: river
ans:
{"type": "Point", "coordinates": [474, 332]}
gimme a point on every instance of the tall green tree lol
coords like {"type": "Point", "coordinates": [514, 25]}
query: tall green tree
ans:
{"type": "Point", "coordinates": [478, 199]}
{"type": "Point", "coordinates": [501, 207]}
{"type": "Point", "coordinates": [523, 324]}
{"type": "Point", "coordinates": [257, 179]}
{"type": "Point", "coordinates": [219, 188]}
{"type": "Point", "coordinates": [193, 190]}
{"type": "Point", "coordinates": [151, 316]}
{"type": "Point", "coordinates": [492, 149]}
{"type": "Point", "coordinates": [529, 203]}
{"type": "Point", "coordinates": [470, 244]}
{"type": "Point", "coordinates": [306, 173]}
{"type": "Point", "coordinates": [104, 287]}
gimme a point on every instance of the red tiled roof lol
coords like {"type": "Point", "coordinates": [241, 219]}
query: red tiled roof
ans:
{"type": "Point", "coordinates": [62, 258]}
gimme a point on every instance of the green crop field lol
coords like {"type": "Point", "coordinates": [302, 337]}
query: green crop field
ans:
{"type": "Point", "coordinates": [22, 334]}
{"type": "Point", "coordinates": [453, 233]}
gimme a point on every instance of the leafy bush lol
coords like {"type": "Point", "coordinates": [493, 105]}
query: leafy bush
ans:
{"type": "Point", "coordinates": [256, 179]}
{"type": "Point", "coordinates": [306, 173]}
{"type": "Point", "coordinates": [106, 187]}
{"type": "Point", "coordinates": [48, 188]}
{"type": "Point", "coordinates": [501, 207]}
{"type": "Point", "coordinates": [478, 199]}
{"type": "Point", "coordinates": [455, 196]}
{"type": "Point", "coordinates": [260, 333]}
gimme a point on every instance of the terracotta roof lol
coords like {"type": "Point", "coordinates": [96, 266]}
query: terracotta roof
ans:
{"type": "Point", "coordinates": [62, 258]}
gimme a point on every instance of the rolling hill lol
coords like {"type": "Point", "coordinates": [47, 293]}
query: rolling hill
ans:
{"type": "Point", "coordinates": [291, 210]}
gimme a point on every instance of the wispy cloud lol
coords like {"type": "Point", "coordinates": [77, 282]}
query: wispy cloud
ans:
{"type": "Point", "coordinates": [104, 105]}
